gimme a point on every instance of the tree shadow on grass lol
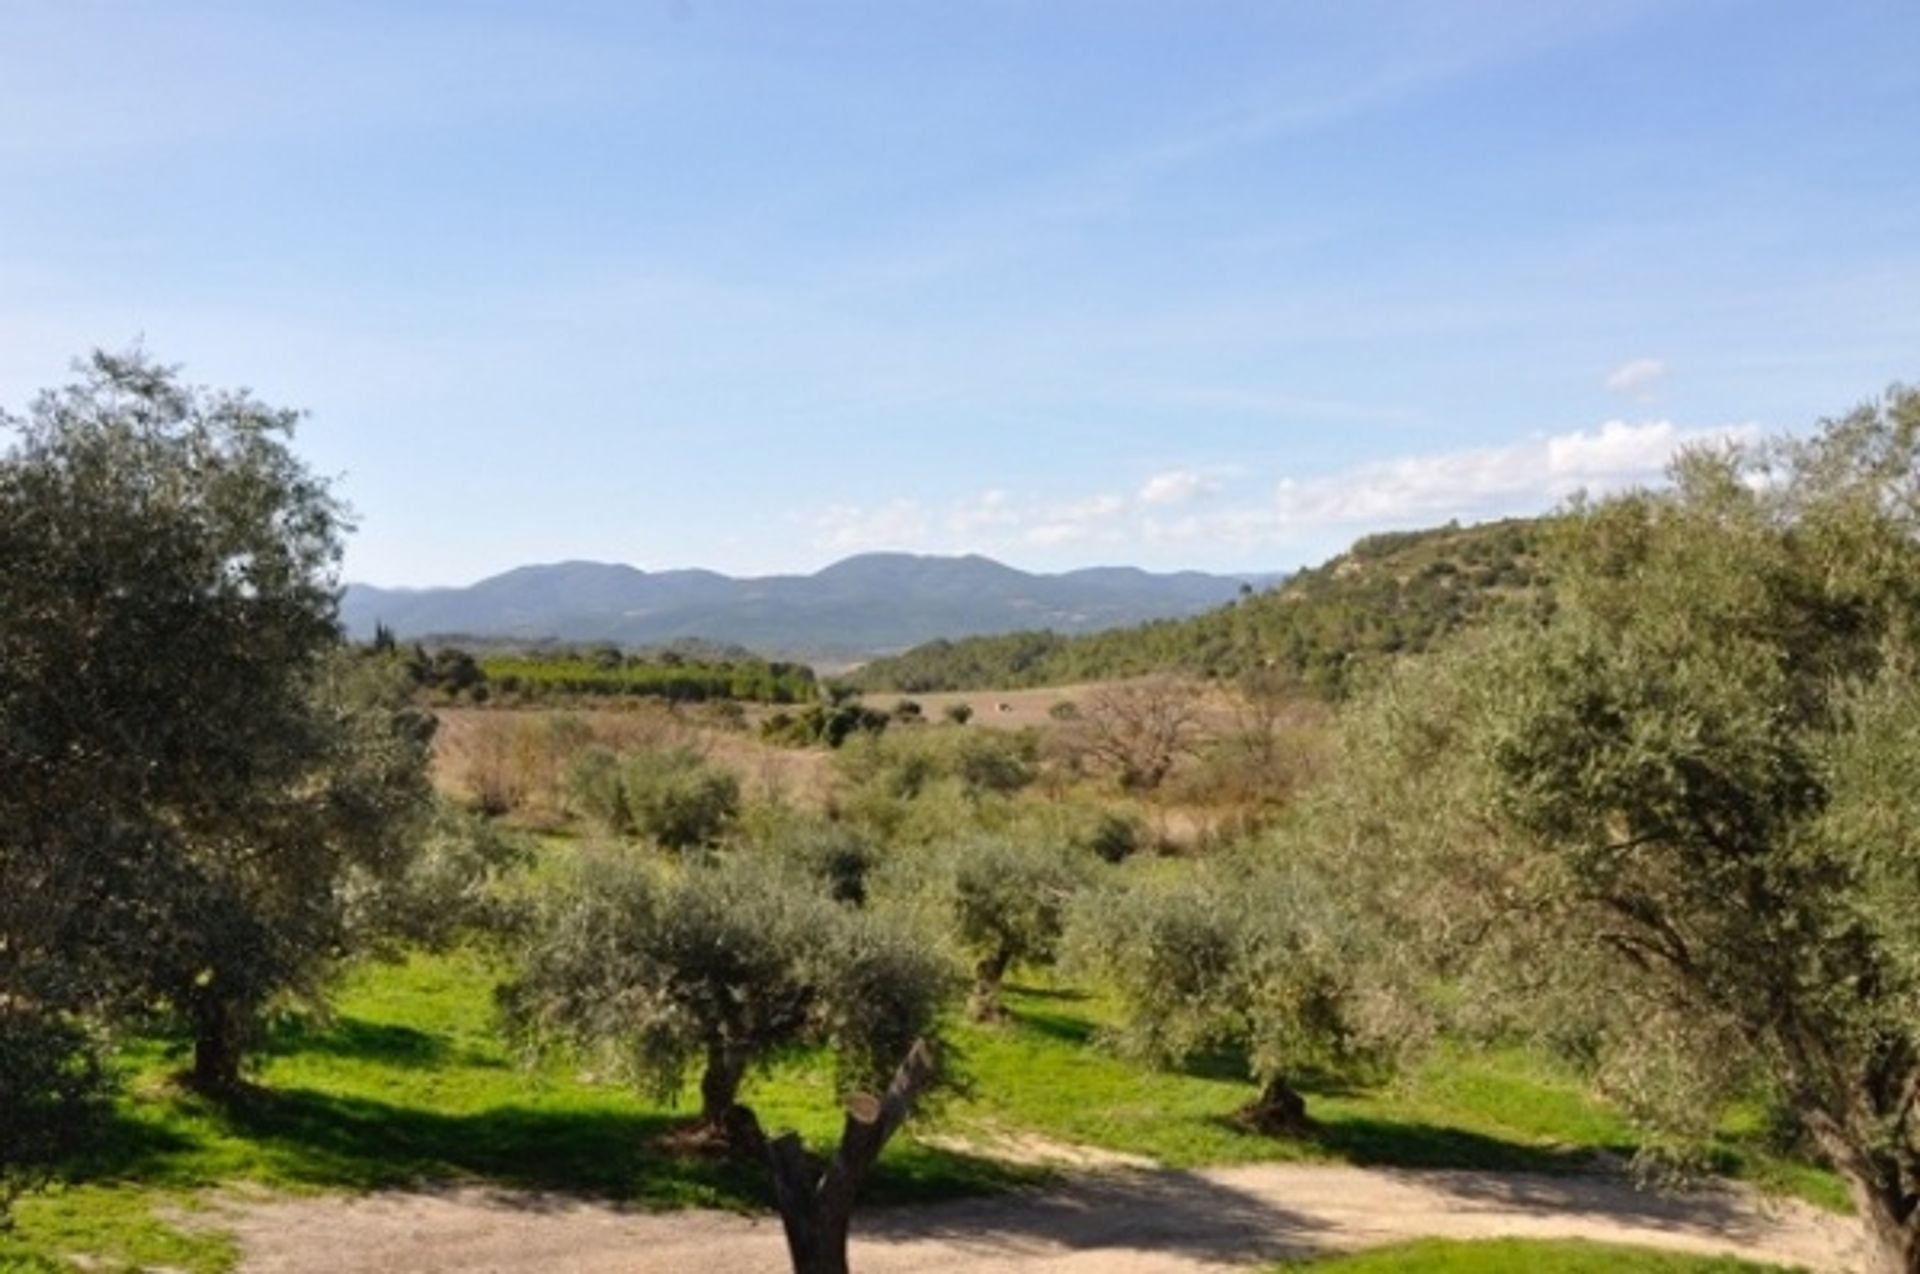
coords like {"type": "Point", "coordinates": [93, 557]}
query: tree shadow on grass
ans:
{"type": "Point", "coordinates": [1064, 994]}
{"type": "Point", "coordinates": [306, 1138]}
{"type": "Point", "coordinates": [1065, 1027]}
{"type": "Point", "coordinates": [360, 1040]}
{"type": "Point", "coordinates": [1393, 1143]}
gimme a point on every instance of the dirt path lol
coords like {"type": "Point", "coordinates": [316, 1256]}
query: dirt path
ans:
{"type": "Point", "coordinates": [1123, 1222]}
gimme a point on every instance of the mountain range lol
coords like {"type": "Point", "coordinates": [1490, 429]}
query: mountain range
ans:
{"type": "Point", "coordinates": [867, 605]}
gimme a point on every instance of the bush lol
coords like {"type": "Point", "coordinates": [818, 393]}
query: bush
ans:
{"type": "Point", "coordinates": [51, 1089]}
{"type": "Point", "coordinates": [671, 795]}
{"type": "Point", "coordinates": [829, 724]}
{"type": "Point", "coordinates": [595, 791]}
{"type": "Point", "coordinates": [450, 889]}
{"type": "Point", "coordinates": [904, 766]}
{"type": "Point", "coordinates": [1109, 835]}
{"type": "Point", "coordinates": [678, 799]}
{"type": "Point", "coordinates": [840, 857]}
{"type": "Point", "coordinates": [992, 761]}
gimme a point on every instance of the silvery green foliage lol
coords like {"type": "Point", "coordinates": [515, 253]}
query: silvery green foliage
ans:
{"type": "Point", "coordinates": [654, 972]}
{"type": "Point", "coordinates": [837, 855]}
{"type": "Point", "coordinates": [1001, 900]}
{"type": "Point", "coordinates": [452, 887]}
{"type": "Point", "coordinates": [671, 795]}
{"type": "Point", "coordinates": [1675, 815]}
{"type": "Point", "coordinates": [190, 764]}
{"type": "Point", "coordinates": [1258, 953]}
{"type": "Point", "coordinates": [52, 1087]}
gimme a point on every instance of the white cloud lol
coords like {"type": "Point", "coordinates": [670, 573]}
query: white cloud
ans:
{"type": "Point", "coordinates": [851, 528]}
{"type": "Point", "coordinates": [1523, 477]}
{"type": "Point", "coordinates": [1481, 482]}
{"type": "Point", "coordinates": [990, 509]}
{"type": "Point", "coordinates": [1050, 534]}
{"type": "Point", "coordinates": [1078, 520]}
{"type": "Point", "coordinates": [1637, 378]}
{"type": "Point", "coordinates": [1487, 480]}
{"type": "Point", "coordinates": [1094, 508]}
{"type": "Point", "coordinates": [1175, 486]}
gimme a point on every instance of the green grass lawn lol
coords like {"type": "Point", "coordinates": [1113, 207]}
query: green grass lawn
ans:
{"type": "Point", "coordinates": [1520, 1256]}
{"type": "Point", "coordinates": [410, 1081]}
{"type": "Point", "coordinates": [1505, 1109]}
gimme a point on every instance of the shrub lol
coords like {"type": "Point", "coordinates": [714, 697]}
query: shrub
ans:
{"type": "Point", "coordinates": [1110, 835]}
{"type": "Point", "coordinates": [829, 724]}
{"type": "Point", "coordinates": [595, 790]}
{"type": "Point", "coordinates": [677, 798]}
{"type": "Point", "coordinates": [52, 1088]}
{"type": "Point", "coordinates": [837, 855]}
{"type": "Point", "coordinates": [450, 889]}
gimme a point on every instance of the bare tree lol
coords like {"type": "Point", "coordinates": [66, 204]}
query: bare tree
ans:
{"type": "Point", "coordinates": [1140, 729]}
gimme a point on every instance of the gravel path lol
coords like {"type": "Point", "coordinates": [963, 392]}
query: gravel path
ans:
{"type": "Point", "coordinates": [1122, 1222]}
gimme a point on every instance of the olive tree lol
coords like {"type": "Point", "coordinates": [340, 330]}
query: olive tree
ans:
{"type": "Point", "coordinates": [1004, 902]}
{"type": "Point", "coordinates": [722, 968]}
{"type": "Point", "coordinates": [839, 856]}
{"type": "Point", "coordinates": [1678, 811]}
{"type": "Point", "coordinates": [715, 969]}
{"type": "Point", "coordinates": [1263, 959]}
{"type": "Point", "coordinates": [190, 762]}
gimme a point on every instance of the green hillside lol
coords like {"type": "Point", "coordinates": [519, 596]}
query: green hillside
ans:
{"type": "Point", "coordinates": [1390, 593]}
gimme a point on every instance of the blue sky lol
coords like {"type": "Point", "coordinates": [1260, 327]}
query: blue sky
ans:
{"type": "Point", "coordinates": [755, 285]}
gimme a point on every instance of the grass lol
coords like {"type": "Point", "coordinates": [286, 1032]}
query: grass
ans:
{"type": "Point", "coordinates": [1500, 1110]}
{"type": "Point", "coordinates": [1520, 1256]}
{"type": "Point", "coordinates": [409, 1081]}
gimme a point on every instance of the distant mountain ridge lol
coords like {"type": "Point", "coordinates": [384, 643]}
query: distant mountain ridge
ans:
{"type": "Point", "coordinates": [867, 605]}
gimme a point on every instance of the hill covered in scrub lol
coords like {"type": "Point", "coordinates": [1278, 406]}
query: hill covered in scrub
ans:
{"type": "Point", "coordinates": [1390, 593]}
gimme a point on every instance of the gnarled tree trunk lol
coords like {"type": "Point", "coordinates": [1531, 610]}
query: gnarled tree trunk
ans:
{"type": "Point", "coordinates": [1278, 1110]}
{"type": "Point", "coordinates": [720, 1086]}
{"type": "Point", "coordinates": [815, 1197]}
{"type": "Point", "coordinates": [1885, 1187]}
{"type": "Point", "coordinates": [218, 1044]}
{"type": "Point", "coordinates": [983, 1005]}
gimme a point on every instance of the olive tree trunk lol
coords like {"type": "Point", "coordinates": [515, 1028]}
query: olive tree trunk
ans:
{"type": "Point", "coordinates": [1278, 1110]}
{"type": "Point", "coordinates": [816, 1197]}
{"type": "Point", "coordinates": [1885, 1188]}
{"type": "Point", "coordinates": [720, 1085]}
{"type": "Point", "coordinates": [983, 1005]}
{"type": "Point", "coordinates": [218, 1044]}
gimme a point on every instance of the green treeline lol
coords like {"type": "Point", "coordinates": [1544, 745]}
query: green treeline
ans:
{"type": "Point", "coordinates": [455, 674]}
{"type": "Point", "coordinates": [1394, 593]}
